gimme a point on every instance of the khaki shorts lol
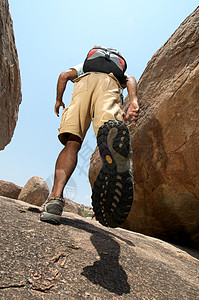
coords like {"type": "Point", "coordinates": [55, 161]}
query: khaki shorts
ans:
{"type": "Point", "coordinates": [95, 96]}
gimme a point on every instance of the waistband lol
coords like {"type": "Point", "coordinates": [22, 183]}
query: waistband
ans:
{"type": "Point", "coordinates": [101, 74]}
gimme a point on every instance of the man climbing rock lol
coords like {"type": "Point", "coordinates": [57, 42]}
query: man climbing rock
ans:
{"type": "Point", "coordinates": [98, 83]}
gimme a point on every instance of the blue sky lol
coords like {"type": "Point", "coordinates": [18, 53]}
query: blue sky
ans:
{"type": "Point", "coordinates": [52, 36]}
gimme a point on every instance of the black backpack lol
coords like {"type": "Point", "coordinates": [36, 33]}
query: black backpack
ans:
{"type": "Point", "coordinates": [105, 60]}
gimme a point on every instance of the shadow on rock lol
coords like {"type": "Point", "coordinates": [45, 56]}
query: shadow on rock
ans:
{"type": "Point", "coordinates": [106, 272]}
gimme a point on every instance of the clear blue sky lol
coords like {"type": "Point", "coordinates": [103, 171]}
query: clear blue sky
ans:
{"type": "Point", "coordinates": [52, 36]}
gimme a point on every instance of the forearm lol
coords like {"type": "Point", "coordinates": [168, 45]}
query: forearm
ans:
{"type": "Point", "coordinates": [133, 109]}
{"type": "Point", "coordinates": [132, 89]}
{"type": "Point", "coordinates": [70, 74]}
{"type": "Point", "coordinates": [61, 85]}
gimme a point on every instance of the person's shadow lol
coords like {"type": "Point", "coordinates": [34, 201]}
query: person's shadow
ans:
{"type": "Point", "coordinates": [106, 272]}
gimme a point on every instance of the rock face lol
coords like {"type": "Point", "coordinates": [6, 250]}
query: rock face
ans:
{"type": "Point", "coordinates": [165, 141]}
{"type": "Point", "coordinates": [80, 259]}
{"type": "Point", "coordinates": [9, 189]}
{"type": "Point", "coordinates": [35, 191]}
{"type": "Point", "coordinates": [10, 82]}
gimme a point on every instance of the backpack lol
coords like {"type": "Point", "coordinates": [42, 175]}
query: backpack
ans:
{"type": "Point", "coordinates": [105, 60]}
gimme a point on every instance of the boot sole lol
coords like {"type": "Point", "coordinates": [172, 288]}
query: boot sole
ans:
{"type": "Point", "coordinates": [112, 194]}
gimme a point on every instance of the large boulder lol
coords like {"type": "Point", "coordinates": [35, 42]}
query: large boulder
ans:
{"type": "Point", "coordinates": [10, 82]}
{"type": "Point", "coordinates": [35, 191]}
{"type": "Point", "coordinates": [165, 141]}
{"type": "Point", "coordinates": [9, 189]}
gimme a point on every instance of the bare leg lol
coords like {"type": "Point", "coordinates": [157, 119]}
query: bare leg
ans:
{"type": "Point", "coordinates": [65, 165]}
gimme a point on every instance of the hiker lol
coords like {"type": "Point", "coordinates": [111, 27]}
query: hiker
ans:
{"type": "Point", "coordinates": [98, 84]}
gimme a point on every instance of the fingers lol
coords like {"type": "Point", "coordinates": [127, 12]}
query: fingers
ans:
{"type": "Point", "coordinates": [127, 116]}
{"type": "Point", "coordinates": [132, 115]}
{"type": "Point", "coordinates": [57, 107]}
{"type": "Point", "coordinates": [57, 112]}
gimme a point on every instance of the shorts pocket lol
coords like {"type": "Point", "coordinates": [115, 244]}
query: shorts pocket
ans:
{"type": "Point", "coordinates": [63, 119]}
{"type": "Point", "coordinates": [110, 85]}
{"type": "Point", "coordinates": [80, 85]}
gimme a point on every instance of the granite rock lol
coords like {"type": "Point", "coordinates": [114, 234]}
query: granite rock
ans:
{"type": "Point", "coordinates": [72, 207]}
{"type": "Point", "coordinates": [35, 191]}
{"type": "Point", "coordinates": [10, 82]}
{"type": "Point", "coordinates": [80, 259]}
{"type": "Point", "coordinates": [9, 189]}
{"type": "Point", "coordinates": [165, 142]}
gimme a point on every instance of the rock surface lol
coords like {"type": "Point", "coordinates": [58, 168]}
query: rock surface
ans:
{"type": "Point", "coordinates": [165, 141]}
{"type": "Point", "coordinates": [10, 82]}
{"type": "Point", "coordinates": [71, 206]}
{"type": "Point", "coordinates": [9, 189]}
{"type": "Point", "coordinates": [83, 260]}
{"type": "Point", "coordinates": [35, 191]}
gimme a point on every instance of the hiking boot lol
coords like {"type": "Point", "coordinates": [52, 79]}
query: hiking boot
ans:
{"type": "Point", "coordinates": [112, 194]}
{"type": "Point", "coordinates": [52, 210]}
